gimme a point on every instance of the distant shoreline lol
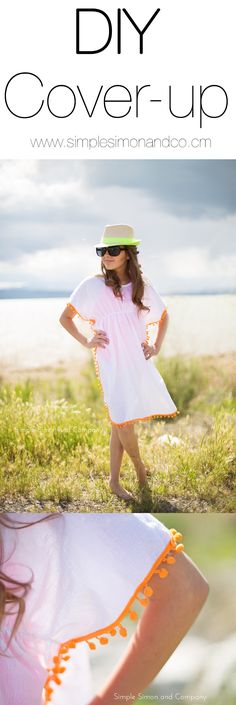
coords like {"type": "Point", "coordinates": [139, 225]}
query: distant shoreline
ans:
{"type": "Point", "coordinates": [9, 294]}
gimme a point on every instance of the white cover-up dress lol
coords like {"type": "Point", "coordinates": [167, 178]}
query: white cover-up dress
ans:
{"type": "Point", "coordinates": [87, 570]}
{"type": "Point", "coordinates": [132, 386]}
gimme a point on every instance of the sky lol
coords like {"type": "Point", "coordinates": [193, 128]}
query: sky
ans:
{"type": "Point", "coordinates": [53, 212]}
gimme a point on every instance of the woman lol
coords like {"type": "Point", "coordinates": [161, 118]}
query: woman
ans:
{"type": "Point", "coordinates": [120, 307]}
{"type": "Point", "coordinates": [66, 584]}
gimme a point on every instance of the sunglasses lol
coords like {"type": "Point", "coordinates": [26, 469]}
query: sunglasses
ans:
{"type": "Point", "coordinates": [113, 250]}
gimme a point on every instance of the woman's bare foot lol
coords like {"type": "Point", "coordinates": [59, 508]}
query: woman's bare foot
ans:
{"type": "Point", "coordinates": [120, 491]}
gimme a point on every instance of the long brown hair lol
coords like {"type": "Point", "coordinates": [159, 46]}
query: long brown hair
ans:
{"type": "Point", "coordinates": [13, 592]}
{"type": "Point", "coordinates": [135, 274]}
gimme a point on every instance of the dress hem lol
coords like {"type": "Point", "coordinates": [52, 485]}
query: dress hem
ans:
{"type": "Point", "coordinates": [145, 418]}
{"type": "Point", "coordinates": [59, 661]}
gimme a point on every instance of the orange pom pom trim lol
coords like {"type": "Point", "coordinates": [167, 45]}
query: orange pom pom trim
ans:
{"type": "Point", "coordinates": [89, 320]}
{"type": "Point", "coordinates": [154, 323]}
{"type": "Point", "coordinates": [142, 594]}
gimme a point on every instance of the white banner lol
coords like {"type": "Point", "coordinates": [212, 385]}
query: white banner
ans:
{"type": "Point", "coordinates": [94, 80]}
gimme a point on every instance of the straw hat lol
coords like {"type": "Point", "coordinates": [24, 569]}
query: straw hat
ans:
{"type": "Point", "coordinates": [118, 235]}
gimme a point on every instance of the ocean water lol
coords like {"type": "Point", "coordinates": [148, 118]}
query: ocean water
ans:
{"type": "Point", "coordinates": [32, 337]}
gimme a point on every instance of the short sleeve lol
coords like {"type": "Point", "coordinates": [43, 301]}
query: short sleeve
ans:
{"type": "Point", "coordinates": [82, 300]}
{"type": "Point", "coordinates": [155, 303]}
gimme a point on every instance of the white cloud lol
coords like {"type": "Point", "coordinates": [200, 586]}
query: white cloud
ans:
{"type": "Point", "coordinates": [12, 285]}
{"type": "Point", "coordinates": [193, 268]}
{"type": "Point", "coordinates": [53, 213]}
{"type": "Point", "coordinates": [51, 269]}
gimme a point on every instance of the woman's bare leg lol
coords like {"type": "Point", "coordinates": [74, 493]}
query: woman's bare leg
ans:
{"type": "Point", "coordinates": [129, 442]}
{"type": "Point", "coordinates": [176, 602]}
{"type": "Point", "coordinates": [116, 455]}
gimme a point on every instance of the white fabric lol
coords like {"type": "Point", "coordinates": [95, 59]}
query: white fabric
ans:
{"type": "Point", "coordinates": [85, 569]}
{"type": "Point", "coordinates": [132, 386]}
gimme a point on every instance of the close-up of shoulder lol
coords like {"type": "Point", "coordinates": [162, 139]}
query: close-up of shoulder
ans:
{"type": "Point", "coordinates": [98, 280]}
{"type": "Point", "coordinates": [92, 280]}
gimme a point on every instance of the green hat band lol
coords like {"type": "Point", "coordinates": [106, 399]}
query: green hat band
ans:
{"type": "Point", "coordinates": [119, 240]}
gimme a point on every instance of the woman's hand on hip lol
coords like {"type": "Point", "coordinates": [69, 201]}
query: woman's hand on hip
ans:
{"type": "Point", "coordinates": [98, 340]}
{"type": "Point", "coordinates": [149, 350]}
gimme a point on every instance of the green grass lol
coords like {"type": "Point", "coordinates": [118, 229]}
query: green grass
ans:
{"type": "Point", "coordinates": [54, 444]}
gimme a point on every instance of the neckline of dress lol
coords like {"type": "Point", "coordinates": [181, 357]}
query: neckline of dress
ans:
{"type": "Point", "coordinates": [126, 284]}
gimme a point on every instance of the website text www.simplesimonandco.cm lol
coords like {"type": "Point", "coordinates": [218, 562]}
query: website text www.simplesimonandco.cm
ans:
{"type": "Point", "coordinates": [119, 143]}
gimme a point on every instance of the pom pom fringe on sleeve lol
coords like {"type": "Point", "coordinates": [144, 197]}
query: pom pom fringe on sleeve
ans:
{"type": "Point", "coordinates": [142, 595]}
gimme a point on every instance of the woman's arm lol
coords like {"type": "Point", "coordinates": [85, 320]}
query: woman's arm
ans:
{"type": "Point", "coordinates": [162, 328]}
{"type": "Point", "coordinates": [150, 350]}
{"type": "Point", "coordinates": [171, 612]}
{"type": "Point", "coordinates": [100, 338]}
